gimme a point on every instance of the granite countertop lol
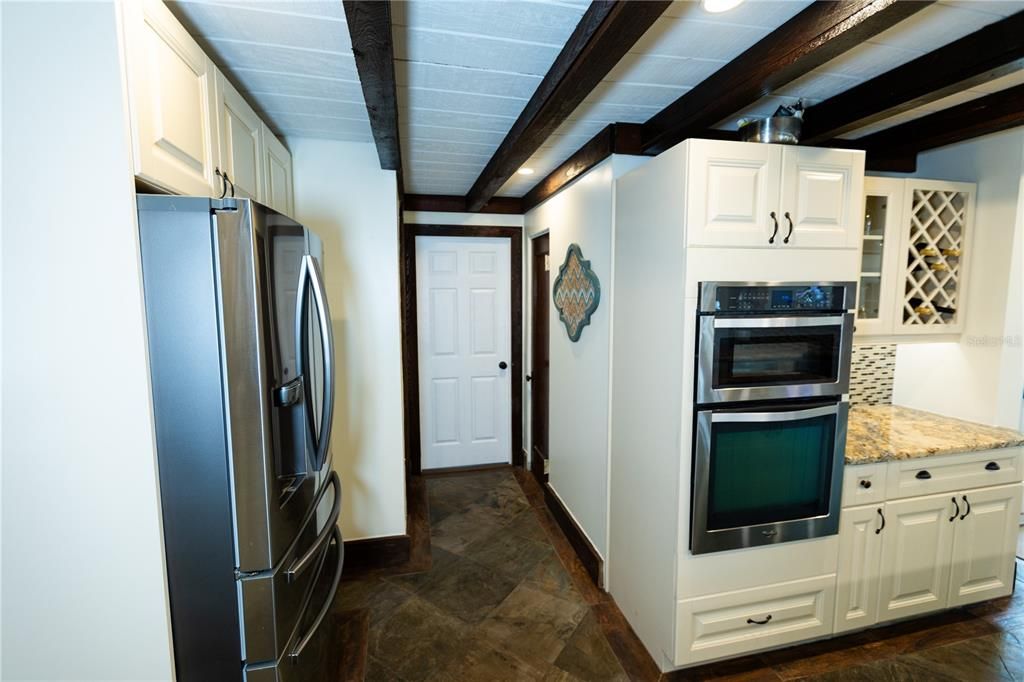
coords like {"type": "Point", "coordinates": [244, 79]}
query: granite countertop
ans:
{"type": "Point", "coordinates": [880, 433]}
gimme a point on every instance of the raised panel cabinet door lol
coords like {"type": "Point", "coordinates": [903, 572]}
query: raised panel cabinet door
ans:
{"type": "Point", "coordinates": [463, 307]}
{"type": "Point", "coordinates": [822, 192]}
{"type": "Point", "coordinates": [916, 546]}
{"type": "Point", "coordinates": [985, 544]}
{"type": "Point", "coordinates": [241, 146]}
{"type": "Point", "coordinates": [733, 190]}
{"type": "Point", "coordinates": [171, 95]}
{"type": "Point", "coordinates": [860, 553]}
{"type": "Point", "coordinates": [277, 173]}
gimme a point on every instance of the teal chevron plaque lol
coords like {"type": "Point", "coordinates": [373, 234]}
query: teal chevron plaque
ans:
{"type": "Point", "coordinates": [576, 292]}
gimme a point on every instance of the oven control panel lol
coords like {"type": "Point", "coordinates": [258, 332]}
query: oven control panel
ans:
{"type": "Point", "coordinates": [775, 298]}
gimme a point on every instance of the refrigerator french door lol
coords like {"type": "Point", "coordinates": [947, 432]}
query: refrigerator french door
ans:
{"type": "Point", "coordinates": [241, 356]}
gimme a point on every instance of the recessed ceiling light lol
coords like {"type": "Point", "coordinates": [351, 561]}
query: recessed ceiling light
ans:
{"type": "Point", "coordinates": [525, 171]}
{"type": "Point", "coordinates": [718, 6]}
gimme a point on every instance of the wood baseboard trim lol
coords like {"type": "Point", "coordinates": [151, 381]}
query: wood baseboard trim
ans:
{"type": "Point", "coordinates": [588, 556]}
{"type": "Point", "coordinates": [372, 554]}
{"type": "Point", "coordinates": [537, 468]}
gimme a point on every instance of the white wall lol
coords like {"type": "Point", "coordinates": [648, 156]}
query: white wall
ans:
{"type": "Point", "coordinates": [341, 193]}
{"type": "Point", "coordinates": [84, 591]}
{"type": "Point", "coordinates": [980, 377]}
{"type": "Point", "coordinates": [579, 373]}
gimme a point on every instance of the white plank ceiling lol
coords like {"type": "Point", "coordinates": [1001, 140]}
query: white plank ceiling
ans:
{"type": "Point", "coordinates": [465, 71]}
{"type": "Point", "coordinates": [466, 68]}
{"type": "Point", "coordinates": [291, 59]}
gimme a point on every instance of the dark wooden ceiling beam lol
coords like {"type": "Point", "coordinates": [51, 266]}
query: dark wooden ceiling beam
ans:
{"type": "Point", "coordinates": [617, 138]}
{"type": "Point", "coordinates": [369, 24]}
{"type": "Point", "coordinates": [819, 33]}
{"type": "Point", "coordinates": [993, 51]}
{"type": "Point", "coordinates": [982, 116]}
{"type": "Point", "coordinates": [456, 204]}
{"type": "Point", "coordinates": [608, 29]}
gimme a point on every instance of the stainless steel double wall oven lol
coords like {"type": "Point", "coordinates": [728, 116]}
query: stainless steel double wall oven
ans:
{"type": "Point", "coordinates": [773, 364]}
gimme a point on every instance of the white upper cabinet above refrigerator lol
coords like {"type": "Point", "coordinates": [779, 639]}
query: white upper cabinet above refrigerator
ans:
{"type": "Point", "coordinates": [190, 125]}
{"type": "Point", "coordinates": [239, 131]}
{"type": "Point", "coordinates": [773, 196]}
{"type": "Point", "coordinates": [171, 95]}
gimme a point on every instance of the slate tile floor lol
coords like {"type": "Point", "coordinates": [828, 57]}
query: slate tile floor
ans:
{"type": "Point", "coordinates": [505, 599]}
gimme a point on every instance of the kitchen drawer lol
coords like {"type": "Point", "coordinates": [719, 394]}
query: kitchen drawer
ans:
{"type": "Point", "coordinates": [951, 473]}
{"type": "Point", "coordinates": [740, 622]}
{"type": "Point", "coordinates": [864, 484]}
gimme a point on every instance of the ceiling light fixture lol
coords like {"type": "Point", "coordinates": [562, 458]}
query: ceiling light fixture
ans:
{"type": "Point", "coordinates": [719, 6]}
{"type": "Point", "coordinates": [525, 171]}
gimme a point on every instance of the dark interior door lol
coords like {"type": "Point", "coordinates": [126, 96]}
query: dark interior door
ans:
{"type": "Point", "coordinates": [539, 369]}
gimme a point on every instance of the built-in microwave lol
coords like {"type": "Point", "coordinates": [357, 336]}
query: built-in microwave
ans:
{"type": "Point", "coordinates": [767, 474]}
{"type": "Point", "coordinates": [773, 341]}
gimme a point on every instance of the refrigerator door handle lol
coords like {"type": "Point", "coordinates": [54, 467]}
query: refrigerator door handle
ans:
{"type": "Point", "coordinates": [300, 564]}
{"type": "Point", "coordinates": [310, 273]}
{"type": "Point", "coordinates": [326, 607]}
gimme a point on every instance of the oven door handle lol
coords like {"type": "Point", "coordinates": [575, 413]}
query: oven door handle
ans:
{"type": "Point", "coordinates": [783, 416]}
{"type": "Point", "coordinates": [783, 322]}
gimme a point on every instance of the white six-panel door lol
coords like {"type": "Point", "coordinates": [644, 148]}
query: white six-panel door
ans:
{"type": "Point", "coordinates": [463, 300]}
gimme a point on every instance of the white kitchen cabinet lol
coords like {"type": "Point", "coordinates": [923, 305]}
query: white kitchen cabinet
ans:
{"type": "Point", "coordinates": [277, 173]}
{"type": "Point", "coordinates": [241, 147]}
{"type": "Point", "coordinates": [916, 547]}
{"type": "Point", "coordinates": [984, 544]}
{"type": "Point", "coordinates": [820, 197]}
{"type": "Point", "coordinates": [915, 245]}
{"type": "Point", "coordinates": [772, 196]}
{"type": "Point", "coordinates": [733, 188]}
{"type": "Point", "coordinates": [857, 582]}
{"type": "Point", "coordinates": [880, 244]}
{"type": "Point", "coordinates": [171, 98]}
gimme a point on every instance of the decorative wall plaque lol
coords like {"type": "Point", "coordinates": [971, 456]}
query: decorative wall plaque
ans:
{"type": "Point", "coordinates": [577, 291]}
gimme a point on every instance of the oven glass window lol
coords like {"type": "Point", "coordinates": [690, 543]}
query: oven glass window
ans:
{"type": "Point", "coordinates": [765, 472]}
{"type": "Point", "coordinates": [774, 357]}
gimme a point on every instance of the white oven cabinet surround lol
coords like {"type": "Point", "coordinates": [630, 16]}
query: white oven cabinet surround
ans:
{"type": "Point", "coordinates": [948, 542]}
{"type": "Point", "coordinates": [771, 196]}
{"type": "Point", "coordinates": [672, 598]}
{"type": "Point", "coordinates": [188, 121]}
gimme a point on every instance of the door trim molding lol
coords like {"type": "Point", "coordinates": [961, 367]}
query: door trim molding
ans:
{"type": "Point", "coordinates": [410, 344]}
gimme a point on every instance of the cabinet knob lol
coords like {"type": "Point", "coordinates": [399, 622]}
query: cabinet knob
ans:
{"type": "Point", "coordinates": [865, 484]}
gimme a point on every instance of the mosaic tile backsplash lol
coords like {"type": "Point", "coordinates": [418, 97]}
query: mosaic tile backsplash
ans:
{"type": "Point", "coordinates": [871, 373]}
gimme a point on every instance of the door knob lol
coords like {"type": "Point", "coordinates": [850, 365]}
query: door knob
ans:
{"type": "Point", "coordinates": [529, 377]}
{"type": "Point", "coordinates": [502, 365]}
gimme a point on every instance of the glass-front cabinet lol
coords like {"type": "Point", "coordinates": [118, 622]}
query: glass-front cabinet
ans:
{"type": "Point", "coordinates": [913, 260]}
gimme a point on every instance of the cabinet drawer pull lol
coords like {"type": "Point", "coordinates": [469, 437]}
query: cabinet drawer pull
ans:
{"type": "Point", "coordinates": [865, 484]}
{"type": "Point", "coordinates": [955, 513]}
{"type": "Point", "coordinates": [923, 475]}
{"type": "Point", "coordinates": [968, 504]}
{"type": "Point", "coordinates": [881, 516]}
{"type": "Point", "coordinates": [790, 233]}
{"type": "Point", "coordinates": [771, 240]}
{"type": "Point", "coordinates": [992, 466]}
{"type": "Point", "coordinates": [767, 619]}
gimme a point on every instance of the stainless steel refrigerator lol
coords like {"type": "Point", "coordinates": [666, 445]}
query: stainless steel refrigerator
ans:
{"type": "Point", "coordinates": [241, 355]}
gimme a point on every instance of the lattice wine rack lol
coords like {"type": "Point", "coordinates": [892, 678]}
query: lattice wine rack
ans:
{"type": "Point", "coordinates": [935, 252]}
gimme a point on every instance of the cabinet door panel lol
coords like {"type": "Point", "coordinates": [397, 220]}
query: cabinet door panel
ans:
{"type": "Point", "coordinates": [984, 544]}
{"type": "Point", "coordinates": [277, 173]}
{"type": "Point", "coordinates": [860, 550]}
{"type": "Point", "coordinates": [171, 90]}
{"type": "Point", "coordinates": [240, 144]}
{"type": "Point", "coordinates": [733, 189]}
{"type": "Point", "coordinates": [822, 190]}
{"type": "Point", "coordinates": [916, 546]}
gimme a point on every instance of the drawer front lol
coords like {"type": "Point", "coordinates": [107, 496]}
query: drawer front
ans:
{"type": "Point", "coordinates": [864, 484]}
{"type": "Point", "coordinates": [740, 622]}
{"type": "Point", "coordinates": [951, 473]}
